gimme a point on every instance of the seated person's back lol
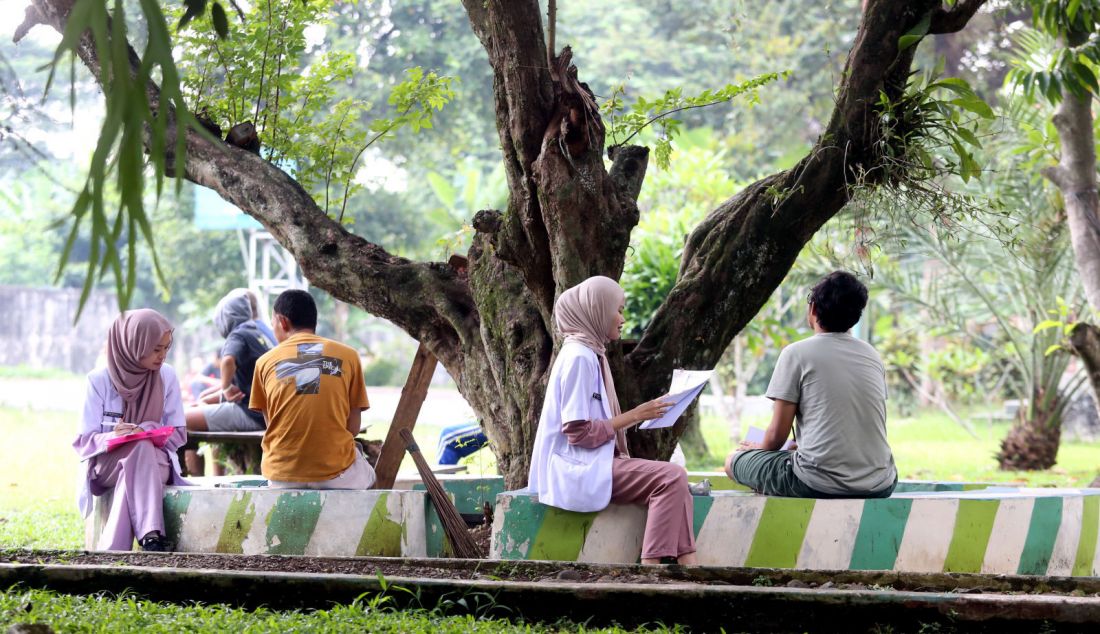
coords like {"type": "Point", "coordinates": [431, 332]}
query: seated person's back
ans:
{"type": "Point", "coordinates": [835, 385]}
{"type": "Point", "coordinates": [312, 394]}
{"type": "Point", "coordinates": [838, 382]}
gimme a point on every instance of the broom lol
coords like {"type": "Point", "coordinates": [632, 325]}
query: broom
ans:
{"type": "Point", "coordinates": [453, 524]}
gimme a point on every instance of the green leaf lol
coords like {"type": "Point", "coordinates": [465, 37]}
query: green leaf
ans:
{"type": "Point", "coordinates": [968, 136]}
{"type": "Point", "coordinates": [443, 189]}
{"type": "Point", "coordinates": [915, 34]}
{"type": "Point", "coordinates": [976, 106]}
{"type": "Point", "coordinates": [1054, 90]}
{"type": "Point", "coordinates": [221, 22]}
{"type": "Point", "coordinates": [1071, 9]}
{"type": "Point", "coordinates": [195, 8]}
{"type": "Point", "coordinates": [956, 85]}
{"type": "Point", "coordinates": [1087, 77]}
{"type": "Point", "coordinates": [1046, 325]}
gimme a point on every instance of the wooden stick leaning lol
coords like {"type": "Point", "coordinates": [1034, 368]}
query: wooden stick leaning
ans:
{"type": "Point", "coordinates": [408, 408]}
{"type": "Point", "coordinates": [453, 524]}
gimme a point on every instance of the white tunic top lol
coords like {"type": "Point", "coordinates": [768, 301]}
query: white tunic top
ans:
{"type": "Point", "coordinates": [567, 476]}
{"type": "Point", "coordinates": [103, 406]}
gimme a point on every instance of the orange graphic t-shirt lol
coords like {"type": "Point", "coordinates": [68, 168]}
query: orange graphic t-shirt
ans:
{"type": "Point", "coordinates": [307, 386]}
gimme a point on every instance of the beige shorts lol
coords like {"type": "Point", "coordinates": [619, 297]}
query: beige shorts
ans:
{"type": "Point", "coordinates": [360, 475]}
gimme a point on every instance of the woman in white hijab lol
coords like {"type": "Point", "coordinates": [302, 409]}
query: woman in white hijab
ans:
{"type": "Point", "coordinates": [581, 462]}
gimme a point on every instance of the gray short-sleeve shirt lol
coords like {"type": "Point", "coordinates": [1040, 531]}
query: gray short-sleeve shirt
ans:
{"type": "Point", "coordinates": [839, 384]}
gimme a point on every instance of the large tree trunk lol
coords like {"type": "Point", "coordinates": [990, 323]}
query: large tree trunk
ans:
{"type": "Point", "coordinates": [569, 216]}
{"type": "Point", "coordinates": [1075, 177]}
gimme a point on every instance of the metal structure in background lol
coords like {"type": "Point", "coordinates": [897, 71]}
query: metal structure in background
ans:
{"type": "Point", "coordinates": [271, 268]}
{"type": "Point", "coordinates": [268, 268]}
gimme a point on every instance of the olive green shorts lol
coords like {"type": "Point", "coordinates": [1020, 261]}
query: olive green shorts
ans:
{"type": "Point", "coordinates": [772, 473]}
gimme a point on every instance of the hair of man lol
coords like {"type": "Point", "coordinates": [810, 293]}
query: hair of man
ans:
{"type": "Point", "coordinates": [838, 301]}
{"type": "Point", "coordinates": [298, 308]}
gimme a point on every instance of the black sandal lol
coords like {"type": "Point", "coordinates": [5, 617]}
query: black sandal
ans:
{"type": "Point", "coordinates": [154, 542]}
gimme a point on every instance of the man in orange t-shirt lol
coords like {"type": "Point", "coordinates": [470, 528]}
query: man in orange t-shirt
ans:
{"type": "Point", "coordinates": [311, 392]}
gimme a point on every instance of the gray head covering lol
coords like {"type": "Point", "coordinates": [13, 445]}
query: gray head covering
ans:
{"type": "Point", "coordinates": [232, 311]}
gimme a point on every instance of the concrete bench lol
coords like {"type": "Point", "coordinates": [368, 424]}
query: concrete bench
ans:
{"type": "Point", "coordinates": [720, 482]}
{"type": "Point", "coordinates": [992, 530]}
{"type": "Point", "coordinates": [470, 492]}
{"type": "Point", "coordinates": [257, 521]}
{"type": "Point", "coordinates": [231, 514]}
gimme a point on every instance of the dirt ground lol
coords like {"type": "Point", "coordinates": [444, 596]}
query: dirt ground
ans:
{"type": "Point", "coordinates": [495, 571]}
{"type": "Point", "coordinates": [545, 571]}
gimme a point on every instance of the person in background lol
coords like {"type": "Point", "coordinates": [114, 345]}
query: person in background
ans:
{"type": "Point", "coordinates": [311, 392]}
{"type": "Point", "coordinates": [199, 378]}
{"type": "Point", "coordinates": [461, 440]}
{"type": "Point", "coordinates": [137, 391]}
{"type": "Point", "coordinates": [226, 408]}
{"type": "Point", "coordinates": [254, 304]}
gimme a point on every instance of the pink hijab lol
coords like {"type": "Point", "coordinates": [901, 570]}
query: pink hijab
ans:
{"type": "Point", "coordinates": [134, 335]}
{"type": "Point", "coordinates": [585, 314]}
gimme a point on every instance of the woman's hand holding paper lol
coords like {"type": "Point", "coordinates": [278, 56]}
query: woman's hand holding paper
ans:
{"type": "Point", "coordinates": [646, 411]}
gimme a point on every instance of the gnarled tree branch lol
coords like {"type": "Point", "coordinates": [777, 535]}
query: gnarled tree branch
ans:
{"type": "Point", "coordinates": [953, 19]}
{"type": "Point", "coordinates": [742, 251]}
{"type": "Point", "coordinates": [511, 33]}
{"type": "Point", "coordinates": [427, 300]}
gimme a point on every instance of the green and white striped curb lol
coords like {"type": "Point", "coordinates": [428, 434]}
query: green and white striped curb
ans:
{"type": "Point", "coordinates": [1020, 531]}
{"type": "Point", "coordinates": [470, 492]}
{"type": "Point", "coordinates": [719, 481]}
{"type": "Point", "coordinates": [255, 521]}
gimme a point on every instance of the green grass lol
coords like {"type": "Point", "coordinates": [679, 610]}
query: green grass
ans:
{"type": "Point", "coordinates": [101, 613]}
{"type": "Point", "coordinates": [932, 447]}
{"type": "Point", "coordinates": [27, 372]}
{"type": "Point", "coordinates": [38, 473]}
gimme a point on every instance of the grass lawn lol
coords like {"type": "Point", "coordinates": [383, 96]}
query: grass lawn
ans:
{"type": "Point", "coordinates": [38, 473]}
{"type": "Point", "coordinates": [66, 613]}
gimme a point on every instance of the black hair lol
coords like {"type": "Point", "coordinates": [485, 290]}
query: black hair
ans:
{"type": "Point", "coordinates": [298, 308]}
{"type": "Point", "coordinates": [838, 299]}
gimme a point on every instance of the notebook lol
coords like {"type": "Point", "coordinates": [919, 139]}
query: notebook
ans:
{"type": "Point", "coordinates": [159, 436]}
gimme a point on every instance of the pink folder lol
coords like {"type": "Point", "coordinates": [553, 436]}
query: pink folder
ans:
{"type": "Point", "coordinates": [159, 436]}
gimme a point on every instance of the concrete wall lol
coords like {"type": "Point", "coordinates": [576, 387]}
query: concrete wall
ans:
{"type": "Point", "coordinates": [996, 531]}
{"type": "Point", "coordinates": [37, 330]}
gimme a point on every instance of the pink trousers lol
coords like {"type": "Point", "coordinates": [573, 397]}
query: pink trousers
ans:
{"type": "Point", "coordinates": [138, 472]}
{"type": "Point", "coordinates": [663, 487]}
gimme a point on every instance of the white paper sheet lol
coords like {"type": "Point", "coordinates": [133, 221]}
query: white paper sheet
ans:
{"type": "Point", "coordinates": [756, 434]}
{"type": "Point", "coordinates": [685, 386]}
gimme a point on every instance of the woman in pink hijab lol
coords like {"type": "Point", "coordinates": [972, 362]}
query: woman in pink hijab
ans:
{"type": "Point", "coordinates": [136, 392]}
{"type": "Point", "coordinates": [581, 462]}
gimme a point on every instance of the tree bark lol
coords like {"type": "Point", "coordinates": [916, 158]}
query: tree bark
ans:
{"type": "Point", "coordinates": [1075, 178]}
{"type": "Point", "coordinates": [569, 217]}
{"type": "Point", "coordinates": [1085, 341]}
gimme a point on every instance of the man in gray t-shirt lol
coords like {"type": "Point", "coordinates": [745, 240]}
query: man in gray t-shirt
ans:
{"type": "Point", "coordinates": [835, 385]}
